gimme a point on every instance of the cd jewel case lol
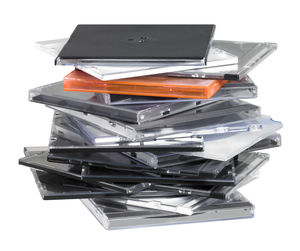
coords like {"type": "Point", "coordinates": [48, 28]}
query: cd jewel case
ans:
{"type": "Point", "coordinates": [115, 215]}
{"type": "Point", "coordinates": [210, 115]}
{"type": "Point", "coordinates": [159, 86]}
{"type": "Point", "coordinates": [92, 174]}
{"type": "Point", "coordinates": [95, 103]}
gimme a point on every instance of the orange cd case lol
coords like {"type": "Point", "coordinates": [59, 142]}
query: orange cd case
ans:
{"type": "Point", "coordinates": [159, 86]}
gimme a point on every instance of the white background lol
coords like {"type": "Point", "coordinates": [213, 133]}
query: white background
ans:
{"type": "Point", "coordinates": [29, 223]}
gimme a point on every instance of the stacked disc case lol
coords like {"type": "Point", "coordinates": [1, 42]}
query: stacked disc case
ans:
{"type": "Point", "coordinates": [147, 131]}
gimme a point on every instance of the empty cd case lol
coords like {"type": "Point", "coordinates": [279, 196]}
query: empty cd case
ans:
{"type": "Point", "coordinates": [249, 56]}
{"type": "Point", "coordinates": [113, 215]}
{"type": "Point", "coordinates": [210, 115]}
{"type": "Point", "coordinates": [159, 86]}
{"type": "Point", "coordinates": [225, 146]}
{"type": "Point", "coordinates": [91, 44]}
{"type": "Point", "coordinates": [96, 174]}
{"type": "Point", "coordinates": [95, 103]}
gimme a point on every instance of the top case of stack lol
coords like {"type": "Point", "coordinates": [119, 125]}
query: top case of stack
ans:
{"type": "Point", "coordinates": [226, 60]}
{"type": "Point", "coordinates": [94, 44]}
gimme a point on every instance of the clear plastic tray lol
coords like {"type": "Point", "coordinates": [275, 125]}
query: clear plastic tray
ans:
{"type": "Point", "coordinates": [249, 56]}
{"type": "Point", "coordinates": [214, 115]}
{"type": "Point", "coordinates": [95, 103]}
{"type": "Point", "coordinates": [216, 57]}
{"type": "Point", "coordinates": [113, 215]}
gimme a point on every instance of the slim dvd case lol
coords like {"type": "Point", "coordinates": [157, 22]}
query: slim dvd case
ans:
{"type": "Point", "coordinates": [91, 44]}
{"type": "Point", "coordinates": [159, 86]}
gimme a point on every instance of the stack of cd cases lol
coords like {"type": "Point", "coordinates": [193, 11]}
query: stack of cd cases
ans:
{"type": "Point", "coordinates": [152, 127]}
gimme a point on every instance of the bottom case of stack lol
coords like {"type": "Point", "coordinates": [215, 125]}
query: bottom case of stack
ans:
{"type": "Point", "coordinates": [113, 214]}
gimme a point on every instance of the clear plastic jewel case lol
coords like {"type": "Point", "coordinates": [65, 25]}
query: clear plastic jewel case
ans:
{"type": "Point", "coordinates": [95, 103]}
{"type": "Point", "coordinates": [213, 115]}
{"type": "Point", "coordinates": [113, 215]}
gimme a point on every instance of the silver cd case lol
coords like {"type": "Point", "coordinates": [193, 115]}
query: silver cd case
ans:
{"type": "Point", "coordinates": [115, 215]}
{"type": "Point", "coordinates": [208, 115]}
{"type": "Point", "coordinates": [96, 103]}
{"type": "Point", "coordinates": [109, 71]}
{"type": "Point", "coordinates": [249, 55]}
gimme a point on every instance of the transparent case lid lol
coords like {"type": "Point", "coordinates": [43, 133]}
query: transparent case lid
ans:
{"type": "Point", "coordinates": [95, 103]}
{"type": "Point", "coordinates": [113, 215]}
{"type": "Point", "coordinates": [225, 146]}
{"type": "Point", "coordinates": [249, 56]}
{"type": "Point", "coordinates": [216, 57]}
